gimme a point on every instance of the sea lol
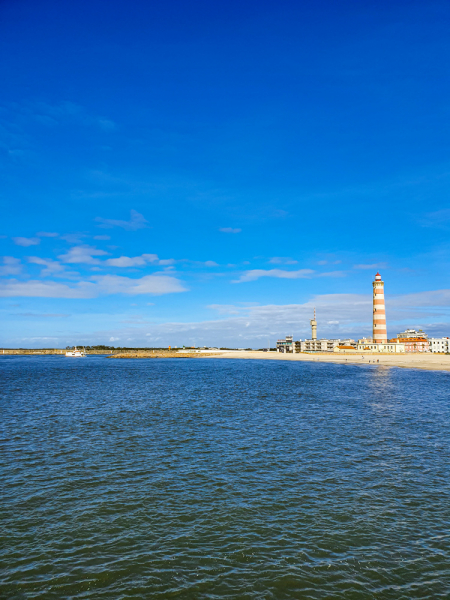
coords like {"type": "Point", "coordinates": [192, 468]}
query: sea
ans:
{"type": "Point", "coordinates": [222, 479]}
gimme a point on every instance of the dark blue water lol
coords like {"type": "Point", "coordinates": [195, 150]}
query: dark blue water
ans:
{"type": "Point", "coordinates": [209, 478]}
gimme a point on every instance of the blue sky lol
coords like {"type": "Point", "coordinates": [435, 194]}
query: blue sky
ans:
{"type": "Point", "coordinates": [207, 173]}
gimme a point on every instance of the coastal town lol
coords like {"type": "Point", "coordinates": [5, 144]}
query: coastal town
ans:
{"type": "Point", "coordinates": [408, 341]}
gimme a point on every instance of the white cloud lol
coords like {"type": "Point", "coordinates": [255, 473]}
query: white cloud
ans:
{"type": "Point", "coordinates": [211, 263]}
{"type": "Point", "coordinates": [83, 254]}
{"type": "Point", "coordinates": [47, 234]}
{"type": "Point", "coordinates": [95, 286]}
{"type": "Point", "coordinates": [102, 238]}
{"type": "Point", "coordinates": [45, 289]}
{"type": "Point", "coordinates": [252, 325]}
{"type": "Point", "coordinates": [230, 230]}
{"type": "Point", "coordinates": [52, 267]}
{"type": "Point", "coordinates": [11, 266]}
{"type": "Point", "coordinates": [136, 261]}
{"type": "Point", "coordinates": [23, 241]}
{"type": "Point", "coordinates": [338, 315]}
{"type": "Point", "coordinates": [125, 261]}
{"type": "Point", "coordinates": [137, 221]}
{"type": "Point", "coordinates": [435, 298]}
{"type": "Point", "coordinates": [114, 339]}
{"type": "Point", "coordinates": [150, 284]}
{"type": "Point", "coordinates": [283, 260]}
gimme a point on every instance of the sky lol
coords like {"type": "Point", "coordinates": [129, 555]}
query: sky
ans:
{"type": "Point", "coordinates": [206, 173]}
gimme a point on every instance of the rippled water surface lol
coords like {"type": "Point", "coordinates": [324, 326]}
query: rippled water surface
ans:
{"type": "Point", "coordinates": [209, 478]}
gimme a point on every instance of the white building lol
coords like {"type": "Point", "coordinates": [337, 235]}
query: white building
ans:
{"type": "Point", "coordinates": [412, 333]}
{"type": "Point", "coordinates": [286, 345]}
{"type": "Point", "coordinates": [371, 346]}
{"type": "Point", "coordinates": [322, 345]}
{"type": "Point", "coordinates": [439, 344]}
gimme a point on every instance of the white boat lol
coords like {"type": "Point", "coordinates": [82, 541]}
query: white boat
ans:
{"type": "Point", "coordinates": [75, 352]}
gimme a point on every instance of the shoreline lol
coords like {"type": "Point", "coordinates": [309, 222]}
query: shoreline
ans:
{"type": "Point", "coordinates": [429, 362]}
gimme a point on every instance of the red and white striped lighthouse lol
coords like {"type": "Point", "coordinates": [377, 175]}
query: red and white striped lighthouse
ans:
{"type": "Point", "coordinates": [379, 311]}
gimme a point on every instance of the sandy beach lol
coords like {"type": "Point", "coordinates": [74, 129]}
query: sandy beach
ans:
{"type": "Point", "coordinates": [435, 362]}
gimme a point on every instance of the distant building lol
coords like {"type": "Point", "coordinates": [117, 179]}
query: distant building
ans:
{"type": "Point", "coordinates": [322, 345]}
{"type": "Point", "coordinates": [388, 346]}
{"type": "Point", "coordinates": [286, 345]}
{"type": "Point", "coordinates": [314, 327]}
{"type": "Point", "coordinates": [439, 344]}
{"type": "Point", "coordinates": [417, 344]}
{"type": "Point", "coordinates": [315, 345]}
{"type": "Point", "coordinates": [412, 333]}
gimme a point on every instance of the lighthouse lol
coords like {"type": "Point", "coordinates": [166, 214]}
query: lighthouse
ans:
{"type": "Point", "coordinates": [314, 327]}
{"type": "Point", "coordinates": [379, 311]}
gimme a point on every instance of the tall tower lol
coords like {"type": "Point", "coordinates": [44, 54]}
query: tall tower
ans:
{"type": "Point", "coordinates": [379, 311]}
{"type": "Point", "coordinates": [314, 327]}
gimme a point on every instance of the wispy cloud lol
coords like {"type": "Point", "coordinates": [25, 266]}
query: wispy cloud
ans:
{"type": "Point", "coordinates": [106, 124]}
{"type": "Point", "coordinates": [102, 238]}
{"type": "Point", "coordinates": [95, 286]}
{"type": "Point", "coordinates": [47, 234]}
{"type": "Point", "coordinates": [439, 219]}
{"type": "Point", "coordinates": [11, 266]}
{"type": "Point", "coordinates": [64, 112]}
{"type": "Point", "coordinates": [42, 315]}
{"type": "Point", "coordinates": [255, 274]}
{"type": "Point", "coordinates": [372, 267]}
{"type": "Point", "coordinates": [225, 309]}
{"type": "Point", "coordinates": [283, 260]}
{"type": "Point", "coordinates": [82, 255]}
{"type": "Point", "coordinates": [137, 221]}
{"type": "Point", "coordinates": [23, 241]}
{"type": "Point", "coordinates": [73, 238]}
{"type": "Point", "coordinates": [230, 230]}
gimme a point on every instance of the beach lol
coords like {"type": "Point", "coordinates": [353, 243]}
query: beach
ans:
{"type": "Point", "coordinates": [429, 361]}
